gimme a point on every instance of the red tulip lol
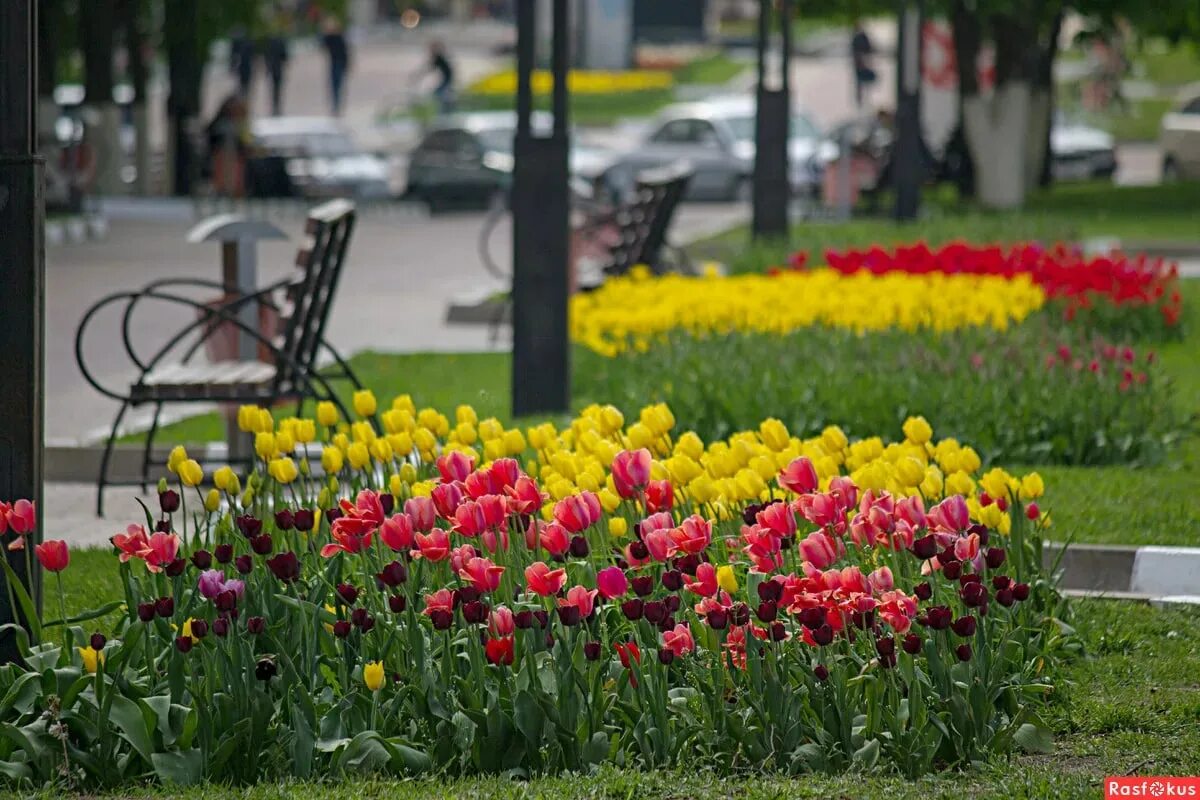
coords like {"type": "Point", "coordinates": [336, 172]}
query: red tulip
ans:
{"type": "Point", "coordinates": [53, 555]}
{"type": "Point", "coordinates": [578, 512]}
{"type": "Point", "coordinates": [555, 539]}
{"type": "Point", "coordinates": [611, 582]}
{"type": "Point", "coordinates": [469, 519]}
{"type": "Point", "coordinates": [679, 640]}
{"type": "Point", "coordinates": [422, 512]}
{"type": "Point", "coordinates": [524, 497]}
{"type": "Point", "coordinates": [580, 598]}
{"type": "Point", "coordinates": [502, 621]}
{"type": "Point", "coordinates": [434, 546]}
{"type": "Point", "coordinates": [441, 600]}
{"type": "Point", "coordinates": [800, 476]}
{"type": "Point", "coordinates": [455, 466]}
{"type": "Point", "coordinates": [629, 653]}
{"type": "Point", "coordinates": [693, 535]}
{"type": "Point", "coordinates": [397, 532]}
{"type": "Point", "coordinates": [134, 543]}
{"type": "Point", "coordinates": [541, 580]}
{"type": "Point", "coordinates": [660, 496]}
{"type": "Point", "coordinates": [631, 471]}
{"type": "Point", "coordinates": [499, 651]}
{"type": "Point", "coordinates": [447, 497]}
{"type": "Point", "coordinates": [704, 582]}
{"type": "Point", "coordinates": [779, 517]}
{"type": "Point", "coordinates": [482, 573]}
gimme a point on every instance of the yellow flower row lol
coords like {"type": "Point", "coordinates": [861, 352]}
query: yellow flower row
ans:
{"type": "Point", "coordinates": [634, 311]}
{"type": "Point", "coordinates": [579, 82]}
{"type": "Point", "coordinates": [721, 475]}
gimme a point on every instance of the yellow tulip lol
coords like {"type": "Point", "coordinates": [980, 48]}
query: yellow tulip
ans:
{"type": "Point", "coordinates": [726, 579]}
{"type": "Point", "coordinates": [331, 460]}
{"type": "Point", "coordinates": [514, 442]}
{"type": "Point", "coordinates": [373, 675]}
{"type": "Point", "coordinates": [264, 445]}
{"type": "Point", "coordinates": [283, 470]}
{"type": "Point", "coordinates": [358, 455]}
{"type": "Point", "coordinates": [178, 456]}
{"type": "Point", "coordinates": [212, 500]}
{"type": "Point", "coordinates": [327, 413]}
{"type": "Point", "coordinates": [466, 413]}
{"type": "Point", "coordinates": [364, 403]}
{"type": "Point", "coordinates": [617, 526]}
{"type": "Point", "coordinates": [223, 479]}
{"type": "Point", "coordinates": [917, 430]}
{"type": "Point", "coordinates": [190, 473]}
{"type": "Point", "coordinates": [774, 434]}
{"type": "Point", "coordinates": [1032, 487]}
{"type": "Point", "coordinates": [305, 431]}
{"type": "Point", "coordinates": [91, 658]}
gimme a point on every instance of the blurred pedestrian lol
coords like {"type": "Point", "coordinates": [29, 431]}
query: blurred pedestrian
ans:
{"type": "Point", "coordinates": [241, 59]}
{"type": "Point", "coordinates": [439, 63]}
{"type": "Point", "coordinates": [228, 138]}
{"type": "Point", "coordinates": [337, 48]}
{"type": "Point", "coordinates": [275, 56]}
{"type": "Point", "coordinates": [861, 51]}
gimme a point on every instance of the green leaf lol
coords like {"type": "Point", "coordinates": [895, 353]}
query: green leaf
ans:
{"type": "Point", "coordinates": [1034, 738]}
{"type": "Point", "coordinates": [302, 748]}
{"type": "Point", "coordinates": [182, 767]}
{"type": "Point", "coordinates": [596, 749]}
{"type": "Point", "coordinates": [407, 759]}
{"type": "Point", "coordinates": [527, 715]}
{"type": "Point", "coordinates": [131, 722]}
{"type": "Point", "coordinates": [16, 771]}
{"type": "Point", "coordinates": [365, 753]}
{"type": "Point", "coordinates": [21, 635]}
{"type": "Point", "coordinates": [33, 749]}
{"type": "Point", "coordinates": [22, 694]}
{"type": "Point", "coordinates": [28, 608]}
{"type": "Point", "coordinates": [867, 755]}
{"type": "Point", "coordinates": [87, 616]}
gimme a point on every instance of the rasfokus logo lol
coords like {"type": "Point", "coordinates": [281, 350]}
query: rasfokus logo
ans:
{"type": "Point", "coordinates": [1151, 786]}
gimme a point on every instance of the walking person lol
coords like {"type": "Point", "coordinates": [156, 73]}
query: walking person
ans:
{"type": "Point", "coordinates": [275, 57]}
{"type": "Point", "coordinates": [860, 52]}
{"type": "Point", "coordinates": [337, 48]}
{"type": "Point", "coordinates": [241, 59]}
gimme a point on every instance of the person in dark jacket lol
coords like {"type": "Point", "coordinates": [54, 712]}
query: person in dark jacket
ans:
{"type": "Point", "coordinates": [275, 56]}
{"type": "Point", "coordinates": [337, 48]}
{"type": "Point", "coordinates": [860, 52]}
{"type": "Point", "coordinates": [241, 59]}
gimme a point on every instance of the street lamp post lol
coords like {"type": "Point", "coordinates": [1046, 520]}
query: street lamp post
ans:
{"type": "Point", "coordinates": [909, 166]}
{"type": "Point", "coordinates": [22, 217]}
{"type": "Point", "coordinates": [771, 186]}
{"type": "Point", "coordinates": [541, 367]}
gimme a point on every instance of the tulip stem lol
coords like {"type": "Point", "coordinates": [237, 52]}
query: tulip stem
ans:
{"type": "Point", "coordinates": [62, 613]}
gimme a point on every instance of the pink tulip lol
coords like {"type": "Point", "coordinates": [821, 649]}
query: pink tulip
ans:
{"type": "Point", "coordinates": [524, 497]}
{"type": "Point", "coordinates": [455, 466]}
{"type": "Point", "coordinates": [578, 512]}
{"type": "Point", "coordinates": [479, 483]}
{"type": "Point", "coordinates": [800, 476]}
{"type": "Point", "coordinates": [881, 580]}
{"type": "Point", "coordinates": [469, 519]}
{"type": "Point", "coordinates": [779, 517]}
{"type": "Point", "coordinates": [433, 546]}
{"type": "Point", "coordinates": [134, 543]}
{"type": "Point", "coordinates": [441, 600]}
{"type": "Point", "coordinates": [660, 496]}
{"type": "Point", "coordinates": [543, 581]}
{"type": "Point", "coordinates": [422, 512]}
{"type": "Point", "coordinates": [693, 534]}
{"type": "Point", "coordinates": [611, 582]}
{"type": "Point", "coordinates": [704, 582]}
{"type": "Point", "coordinates": [660, 544]}
{"type": "Point", "coordinates": [631, 471]}
{"type": "Point", "coordinates": [161, 549]}
{"type": "Point", "coordinates": [820, 550]}
{"type": "Point", "coordinates": [52, 554]}
{"type": "Point", "coordinates": [447, 497]}
{"type": "Point", "coordinates": [656, 522]}
{"type": "Point", "coordinates": [483, 574]}
{"type": "Point", "coordinates": [950, 515]}
{"type": "Point", "coordinates": [397, 532]}
{"type": "Point", "coordinates": [22, 517]}
{"type": "Point", "coordinates": [555, 539]}
{"type": "Point", "coordinates": [679, 640]}
{"type": "Point", "coordinates": [505, 473]}
{"type": "Point", "coordinates": [844, 491]}
{"type": "Point", "coordinates": [912, 511]}
{"type": "Point", "coordinates": [461, 555]}
{"type": "Point", "coordinates": [502, 622]}
{"type": "Point", "coordinates": [581, 598]}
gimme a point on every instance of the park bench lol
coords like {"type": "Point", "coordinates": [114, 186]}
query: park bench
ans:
{"type": "Point", "coordinates": [290, 336]}
{"type": "Point", "coordinates": [643, 222]}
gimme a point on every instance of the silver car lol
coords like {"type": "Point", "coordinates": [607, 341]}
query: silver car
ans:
{"type": "Point", "coordinates": [1181, 142]}
{"type": "Point", "coordinates": [716, 137]}
{"type": "Point", "coordinates": [318, 157]}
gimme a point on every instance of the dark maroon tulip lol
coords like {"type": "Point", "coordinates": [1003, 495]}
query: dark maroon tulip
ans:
{"type": "Point", "coordinates": [821, 672]}
{"type": "Point", "coordinates": [475, 612]}
{"type": "Point", "coordinates": [666, 656]}
{"type": "Point", "coordinates": [348, 592]}
{"type": "Point", "coordinates": [672, 602]}
{"type": "Point", "coordinates": [261, 544]}
{"type": "Point", "coordinates": [358, 616]}
{"type": "Point", "coordinates": [885, 646]}
{"type": "Point", "coordinates": [265, 669]}
{"type": "Point", "coordinates": [202, 559]}
{"type": "Point", "coordinates": [643, 585]}
{"type": "Point", "coordinates": [199, 628]}
{"type": "Point", "coordinates": [667, 624]}
{"type": "Point", "coordinates": [655, 611]}
{"type": "Point", "coordinates": [367, 624]}
{"type": "Point", "coordinates": [332, 515]}
{"type": "Point", "coordinates": [823, 635]}
{"type": "Point", "coordinates": [925, 548]}
{"type": "Point", "coordinates": [591, 651]}
{"type": "Point", "coordinates": [549, 640]}
{"type": "Point", "coordinates": [467, 594]}
{"type": "Point", "coordinates": [163, 525]}
{"type": "Point", "coordinates": [672, 580]}
{"type": "Point", "coordinates": [963, 651]}
{"type": "Point", "coordinates": [224, 553]}
{"type": "Point", "coordinates": [639, 550]}
{"type": "Point", "coordinates": [341, 628]}
{"type": "Point", "coordinates": [970, 577]}
{"type": "Point", "coordinates": [947, 556]}
{"type": "Point", "coordinates": [952, 570]}
{"type": "Point", "coordinates": [812, 618]}
{"type": "Point", "coordinates": [285, 566]}
{"type": "Point", "coordinates": [770, 591]}
{"type": "Point", "coordinates": [388, 501]}
{"type": "Point", "coordinates": [220, 627]}
{"type": "Point", "coordinates": [183, 644]}
{"type": "Point", "coordinates": [256, 625]}
{"type": "Point", "coordinates": [767, 611]}
{"type": "Point", "coordinates": [393, 574]}
{"type": "Point", "coordinates": [979, 530]}
{"type": "Point", "coordinates": [248, 525]}
{"type": "Point", "coordinates": [923, 591]}
{"type": "Point", "coordinates": [542, 617]}
{"type": "Point", "coordinates": [441, 619]}
{"type": "Point", "coordinates": [397, 603]}
{"type": "Point", "coordinates": [168, 501]}
{"type": "Point", "coordinates": [787, 542]}
{"type": "Point", "coordinates": [912, 644]}
{"type": "Point", "coordinates": [579, 547]}
{"type": "Point", "coordinates": [568, 615]}
{"type": "Point", "coordinates": [145, 611]}
{"type": "Point", "coordinates": [718, 619]}
{"type": "Point", "coordinates": [304, 520]}
{"type": "Point", "coordinates": [939, 617]}
{"type": "Point", "coordinates": [244, 564]}
{"type": "Point", "coordinates": [778, 632]}
{"type": "Point", "coordinates": [284, 519]}
{"type": "Point", "coordinates": [633, 608]}
{"type": "Point", "coordinates": [1021, 591]}
{"type": "Point", "coordinates": [750, 513]}
{"type": "Point", "coordinates": [863, 620]}
{"type": "Point", "coordinates": [97, 641]}
{"type": "Point", "coordinates": [973, 595]}
{"type": "Point", "coordinates": [226, 600]}
{"type": "Point", "coordinates": [995, 557]}
{"type": "Point", "coordinates": [687, 564]}
{"type": "Point", "coordinates": [1005, 597]}
{"type": "Point", "coordinates": [622, 564]}
{"type": "Point", "coordinates": [176, 568]}
{"type": "Point", "coordinates": [1001, 582]}
{"type": "Point", "coordinates": [964, 626]}
{"type": "Point", "coordinates": [739, 614]}
{"type": "Point", "coordinates": [922, 619]}
{"type": "Point", "coordinates": [524, 619]}
{"type": "Point", "coordinates": [165, 607]}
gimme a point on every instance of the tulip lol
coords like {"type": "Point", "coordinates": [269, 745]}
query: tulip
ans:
{"type": "Point", "coordinates": [183, 644]}
{"type": "Point", "coordinates": [373, 675]}
{"type": "Point", "coordinates": [964, 626]}
{"type": "Point", "coordinates": [397, 532]}
{"type": "Point", "coordinates": [261, 544]}
{"type": "Point", "coordinates": [465, 594]}
{"type": "Point", "coordinates": [220, 627]}
{"type": "Point", "coordinates": [973, 594]}
{"type": "Point", "coordinates": [482, 573]}
{"type": "Point", "coordinates": [812, 618]}
{"type": "Point", "coordinates": [285, 566]}
{"type": "Point", "coordinates": [767, 611]}
{"type": "Point", "coordinates": [693, 535]}
{"type": "Point", "coordinates": [434, 546]}
{"type": "Point", "coordinates": [778, 517]}
{"type": "Point", "coordinates": [441, 619]}
{"type": "Point", "coordinates": [243, 564]}
{"type": "Point", "coordinates": [823, 635]}
{"type": "Point", "coordinates": [592, 650]}
{"type": "Point", "coordinates": [923, 591]}
{"type": "Point", "coordinates": [198, 628]}
{"type": "Point", "coordinates": [211, 583]}
{"type": "Point", "coordinates": [912, 644]}
{"type": "Point", "coordinates": [394, 573]}
{"type": "Point", "coordinates": [265, 669]}
{"type": "Point", "coordinates": [581, 598]}
{"type": "Point", "coordinates": [455, 466]}
{"type": "Point", "coordinates": [579, 547]}
{"type": "Point", "coordinates": [739, 614]}
{"type": "Point", "coordinates": [963, 651]}
{"type": "Point", "coordinates": [643, 585]}
{"type": "Point", "coordinates": [799, 476]}
{"type": "Point", "coordinates": [543, 581]}
{"type": "Point", "coordinates": [633, 609]}
{"type": "Point", "coordinates": [146, 611]}
{"type": "Point", "coordinates": [672, 580]}
{"type": "Point", "coordinates": [223, 553]}
{"type": "Point", "coordinates": [502, 622]}
{"type": "Point", "coordinates": [821, 672]}
{"type": "Point", "coordinates": [175, 568]}
{"type": "Point", "coordinates": [165, 607]}
{"type": "Point", "coordinates": [939, 617]}
{"type": "Point", "coordinates": [655, 611]}
{"type": "Point", "coordinates": [717, 619]}
{"type": "Point", "coordinates": [524, 497]}
{"type": "Point", "coordinates": [631, 471]}
{"type": "Point", "coordinates": [578, 512]}
{"type": "Point", "coordinates": [925, 547]}
{"type": "Point", "coordinates": [995, 557]}
{"type": "Point", "coordinates": [499, 651]}
{"type": "Point", "coordinates": [660, 496]}
{"type": "Point", "coordinates": [1032, 511]}
{"type": "Point", "coordinates": [348, 593]}
{"type": "Point", "coordinates": [704, 583]}
{"type": "Point", "coordinates": [770, 590]}
{"type": "Point", "coordinates": [53, 555]}
{"type": "Point", "coordinates": [1021, 591]}
{"type": "Point", "coordinates": [952, 570]}
{"type": "Point", "coordinates": [611, 582]}
{"type": "Point", "coordinates": [474, 612]}
{"type": "Point", "coordinates": [341, 628]}
{"type": "Point", "coordinates": [666, 657]}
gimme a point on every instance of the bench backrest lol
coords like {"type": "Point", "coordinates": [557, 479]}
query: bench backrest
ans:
{"type": "Point", "coordinates": [306, 308]}
{"type": "Point", "coordinates": [643, 223]}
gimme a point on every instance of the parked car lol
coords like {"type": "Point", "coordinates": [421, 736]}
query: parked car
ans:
{"type": "Point", "coordinates": [1081, 151]}
{"type": "Point", "coordinates": [468, 158]}
{"type": "Point", "coordinates": [312, 157]}
{"type": "Point", "coordinates": [1181, 142]}
{"type": "Point", "coordinates": [716, 137]}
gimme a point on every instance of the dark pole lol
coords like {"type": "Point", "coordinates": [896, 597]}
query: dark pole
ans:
{"type": "Point", "coordinates": [908, 163]}
{"type": "Point", "coordinates": [22, 273]}
{"type": "Point", "coordinates": [772, 189]}
{"type": "Point", "coordinates": [541, 369]}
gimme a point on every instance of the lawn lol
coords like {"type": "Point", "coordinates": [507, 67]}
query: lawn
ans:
{"type": "Point", "coordinates": [1130, 706]}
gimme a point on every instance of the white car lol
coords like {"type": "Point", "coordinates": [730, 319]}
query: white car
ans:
{"type": "Point", "coordinates": [319, 158]}
{"type": "Point", "coordinates": [1081, 151]}
{"type": "Point", "coordinates": [1181, 142]}
{"type": "Point", "coordinates": [716, 137]}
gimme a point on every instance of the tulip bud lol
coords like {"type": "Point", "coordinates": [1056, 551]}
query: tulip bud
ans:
{"type": "Point", "coordinates": [643, 585]}
{"type": "Point", "coordinates": [168, 501]}
{"type": "Point", "coordinates": [1021, 591]}
{"type": "Point", "coordinates": [812, 618]}
{"type": "Point", "coordinates": [202, 559]}
{"type": "Point", "coordinates": [358, 617]}
{"type": "Point", "coordinates": [183, 644]}
{"type": "Point", "coordinates": [687, 564]}
{"type": "Point", "coordinates": [591, 651]}
{"type": "Point", "coordinates": [778, 632]}
{"type": "Point", "coordinates": [304, 519]}
{"type": "Point", "coordinates": [739, 614]}
{"type": "Point", "coordinates": [667, 624]}
{"type": "Point", "coordinates": [165, 607]}
{"type": "Point", "coordinates": [672, 580]}
{"type": "Point", "coordinates": [225, 600]}
{"type": "Point", "coordinates": [770, 591]}
{"type": "Point", "coordinates": [579, 547]}
{"type": "Point", "coordinates": [665, 656]}
{"type": "Point", "coordinates": [952, 570]}
{"type": "Point", "coordinates": [145, 611]}
{"type": "Point", "coordinates": [249, 526]}
{"type": "Point", "coordinates": [388, 501]}
{"type": "Point", "coordinates": [923, 591]}
{"type": "Point", "coordinates": [348, 593]}
{"type": "Point", "coordinates": [284, 520]}
{"type": "Point", "coordinates": [223, 553]}
{"type": "Point", "coordinates": [632, 609]}
{"type": "Point", "coordinates": [261, 544]}
{"type": "Point", "coordinates": [568, 615]}
{"type": "Point", "coordinates": [397, 603]}
{"type": "Point", "coordinates": [220, 627]}
{"type": "Point", "coordinates": [823, 635]}
{"type": "Point", "coordinates": [973, 594]}
{"type": "Point", "coordinates": [964, 626]}
{"type": "Point", "coordinates": [524, 620]}
{"type": "Point", "coordinates": [639, 550]}
{"type": "Point", "coordinates": [199, 628]}
{"type": "Point", "coordinates": [718, 619]}
{"type": "Point", "coordinates": [912, 644]}
{"type": "Point", "coordinates": [393, 574]}
{"type": "Point", "coordinates": [767, 611]}
{"type": "Point", "coordinates": [1002, 503]}
{"type": "Point", "coordinates": [963, 651]}
{"type": "Point", "coordinates": [466, 594]}
{"type": "Point", "coordinates": [655, 611]}
{"type": "Point", "coordinates": [265, 669]}
{"type": "Point", "coordinates": [925, 547]}
{"type": "Point", "coordinates": [939, 618]}
{"type": "Point", "coordinates": [821, 672]}
{"type": "Point", "coordinates": [672, 602]}
{"type": "Point", "coordinates": [475, 612]}
{"type": "Point", "coordinates": [176, 568]}
{"type": "Point", "coordinates": [542, 617]}
{"type": "Point", "coordinates": [341, 628]}
{"type": "Point", "coordinates": [244, 564]}
{"type": "Point", "coordinates": [995, 557]}
{"type": "Point", "coordinates": [1005, 597]}
{"type": "Point", "coordinates": [256, 625]}
{"type": "Point", "coordinates": [1001, 582]}
{"type": "Point", "coordinates": [441, 619]}
{"type": "Point", "coordinates": [97, 641]}
{"type": "Point", "coordinates": [1032, 512]}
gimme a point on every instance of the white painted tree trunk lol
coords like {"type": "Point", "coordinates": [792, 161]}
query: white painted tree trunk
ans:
{"type": "Point", "coordinates": [996, 129]}
{"type": "Point", "coordinates": [107, 141]}
{"type": "Point", "coordinates": [1036, 140]}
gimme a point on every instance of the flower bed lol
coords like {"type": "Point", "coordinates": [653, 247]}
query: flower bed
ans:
{"type": "Point", "coordinates": [640, 309]}
{"type": "Point", "coordinates": [580, 82]}
{"type": "Point", "coordinates": [1112, 291]}
{"type": "Point", "coordinates": [629, 595]}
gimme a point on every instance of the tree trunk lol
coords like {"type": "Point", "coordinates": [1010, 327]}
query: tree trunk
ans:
{"type": "Point", "coordinates": [1045, 175]}
{"type": "Point", "coordinates": [96, 19]}
{"type": "Point", "coordinates": [134, 14]}
{"type": "Point", "coordinates": [185, 66]}
{"type": "Point", "coordinates": [964, 27]}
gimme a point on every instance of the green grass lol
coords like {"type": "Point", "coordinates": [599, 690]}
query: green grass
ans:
{"type": "Point", "coordinates": [710, 70]}
{"type": "Point", "coordinates": [1130, 706]}
{"type": "Point", "coordinates": [1168, 65]}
